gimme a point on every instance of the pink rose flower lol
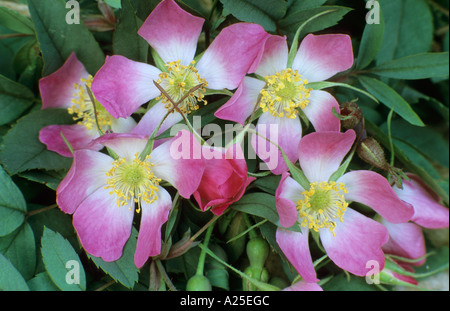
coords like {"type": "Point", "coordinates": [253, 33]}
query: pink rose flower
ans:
{"type": "Point", "coordinates": [349, 238]}
{"type": "Point", "coordinates": [285, 90]}
{"type": "Point", "coordinates": [103, 193]}
{"type": "Point", "coordinates": [224, 180]}
{"type": "Point", "coordinates": [66, 89]}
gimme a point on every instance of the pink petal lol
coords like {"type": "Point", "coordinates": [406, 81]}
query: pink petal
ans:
{"type": "Point", "coordinates": [219, 205]}
{"type": "Point", "coordinates": [304, 286]}
{"type": "Point", "coordinates": [319, 111]}
{"type": "Point", "coordinates": [321, 57]}
{"type": "Point", "coordinates": [172, 32]}
{"type": "Point", "coordinates": [78, 136]}
{"type": "Point", "coordinates": [358, 240]}
{"type": "Point", "coordinates": [405, 240]}
{"type": "Point", "coordinates": [373, 190]}
{"type": "Point", "coordinates": [123, 85]}
{"type": "Point", "coordinates": [154, 215]}
{"type": "Point", "coordinates": [57, 89]}
{"type": "Point", "coordinates": [87, 174]}
{"type": "Point", "coordinates": [124, 145]}
{"type": "Point", "coordinates": [224, 179]}
{"type": "Point", "coordinates": [274, 58]}
{"type": "Point", "coordinates": [153, 117]}
{"type": "Point", "coordinates": [243, 102]}
{"type": "Point", "coordinates": [283, 132]}
{"type": "Point", "coordinates": [231, 55]}
{"type": "Point", "coordinates": [296, 248]}
{"type": "Point", "coordinates": [321, 153]}
{"type": "Point", "coordinates": [428, 212]}
{"type": "Point", "coordinates": [287, 195]}
{"type": "Point", "coordinates": [102, 226]}
{"type": "Point", "coordinates": [180, 162]}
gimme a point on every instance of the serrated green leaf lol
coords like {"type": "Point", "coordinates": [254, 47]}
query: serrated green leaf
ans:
{"type": "Point", "coordinates": [370, 45]}
{"type": "Point", "coordinates": [10, 278]}
{"type": "Point", "coordinates": [122, 270]}
{"type": "Point", "coordinates": [414, 67]}
{"type": "Point", "coordinates": [293, 20]}
{"type": "Point", "coordinates": [21, 149]}
{"type": "Point", "coordinates": [266, 13]}
{"type": "Point", "coordinates": [299, 5]}
{"type": "Point", "coordinates": [427, 141]}
{"type": "Point", "coordinates": [126, 41]}
{"type": "Point", "coordinates": [259, 204]}
{"type": "Point", "coordinates": [16, 22]}
{"type": "Point", "coordinates": [19, 248]}
{"type": "Point", "coordinates": [12, 205]}
{"type": "Point", "coordinates": [408, 29]}
{"type": "Point", "coordinates": [58, 39]}
{"type": "Point", "coordinates": [58, 254]}
{"type": "Point", "coordinates": [49, 178]}
{"type": "Point", "coordinates": [390, 98]}
{"type": "Point", "coordinates": [42, 282]}
{"type": "Point", "coordinates": [15, 99]}
{"type": "Point", "coordinates": [269, 183]}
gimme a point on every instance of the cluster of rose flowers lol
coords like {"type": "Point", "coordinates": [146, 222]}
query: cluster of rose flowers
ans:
{"type": "Point", "coordinates": [103, 190]}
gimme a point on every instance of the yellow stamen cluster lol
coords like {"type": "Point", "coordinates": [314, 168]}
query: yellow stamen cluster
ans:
{"type": "Point", "coordinates": [322, 205]}
{"type": "Point", "coordinates": [177, 81]}
{"type": "Point", "coordinates": [284, 92]}
{"type": "Point", "coordinates": [132, 182]}
{"type": "Point", "coordinates": [86, 112]}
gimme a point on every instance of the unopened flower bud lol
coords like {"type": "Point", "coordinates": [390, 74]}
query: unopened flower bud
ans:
{"type": "Point", "coordinates": [370, 151]}
{"type": "Point", "coordinates": [351, 115]}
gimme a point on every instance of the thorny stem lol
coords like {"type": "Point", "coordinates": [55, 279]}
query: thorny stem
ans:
{"type": "Point", "coordinates": [195, 236]}
{"type": "Point", "coordinates": [164, 275]}
{"type": "Point", "coordinates": [41, 210]}
{"type": "Point", "coordinates": [101, 288]}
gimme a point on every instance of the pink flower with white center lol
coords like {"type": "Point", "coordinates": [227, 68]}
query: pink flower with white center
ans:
{"type": "Point", "coordinates": [66, 89]}
{"type": "Point", "coordinates": [224, 180]}
{"type": "Point", "coordinates": [122, 85]}
{"type": "Point", "coordinates": [103, 193]}
{"type": "Point", "coordinates": [284, 91]}
{"type": "Point", "coordinates": [406, 239]}
{"type": "Point", "coordinates": [349, 238]}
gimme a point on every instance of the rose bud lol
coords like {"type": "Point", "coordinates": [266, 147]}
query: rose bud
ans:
{"type": "Point", "coordinates": [224, 180]}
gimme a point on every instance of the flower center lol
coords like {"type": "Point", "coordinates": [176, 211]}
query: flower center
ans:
{"type": "Point", "coordinates": [177, 81]}
{"type": "Point", "coordinates": [132, 182]}
{"type": "Point", "coordinates": [87, 112]}
{"type": "Point", "coordinates": [284, 92]}
{"type": "Point", "coordinates": [322, 205]}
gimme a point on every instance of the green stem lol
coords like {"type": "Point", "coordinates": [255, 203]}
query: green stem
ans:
{"type": "Point", "coordinates": [258, 284]}
{"type": "Point", "coordinates": [201, 259]}
{"type": "Point", "coordinates": [391, 144]}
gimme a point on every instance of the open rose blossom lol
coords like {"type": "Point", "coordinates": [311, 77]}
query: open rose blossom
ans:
{"type": "Point", "coordinates": [224, 180]}
{"type": "Point", "coordinates": [66, 89]}
{"type": "Point", "coordinates": [103, 193]}
{"type": "Point", "coordinates": [349, 238]}
{"type": "Point", "coordinates": [283, 91]}
{"type": "Point", "coordinates": [406, 239]}
{"type": "Point", "coordinates": [123, 85]}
